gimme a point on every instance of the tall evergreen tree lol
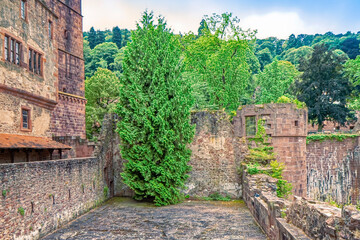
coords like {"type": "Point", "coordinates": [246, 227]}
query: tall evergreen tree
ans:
{"type": "Point", "coordinates": [154, 107]}
{"type": "Point", "coordinates": [100, 37]}
{"type": "Point", "coordinates": [117, 37]}
{"type": "Point", "coordinates": [92, 38]}
{"type": "Point", "coordinates": [323, 87]}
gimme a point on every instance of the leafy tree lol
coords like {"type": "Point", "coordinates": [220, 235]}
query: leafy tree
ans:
{"type": "Point", "coordinates": [294, 55]}
{"type": "Point", "coordinates": [264, 57]}
{"type": "Point", "coordinates": [351, 47]}
{"type": "Point", "coordinates": [324, 88]}
{"type": "Point", "coordinates": [87, 51]}
{"type": "Point", "coordinates": [219, 58]}
{"type": "Point", "coordinates": [275, 80]}
{"type": "Point", "coordinates": [154, 106]}
{"type": "Point", "coordinates": [117, 37]}
{"type": "Point", "coordinates": [103, 55]}
{"type": "Point", "coordinates": [352, 72]}
{"type": "Point", "coordinates": [92, 38]}
{"type": "Point", "coordinates": [101, 92]}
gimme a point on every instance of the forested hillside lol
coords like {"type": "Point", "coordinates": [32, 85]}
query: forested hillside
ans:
{"type": "Point", "coordinates": [228, 67]}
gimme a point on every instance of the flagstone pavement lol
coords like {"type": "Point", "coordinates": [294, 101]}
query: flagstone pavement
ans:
{"type": "Point", "coordinates": [123, 218]}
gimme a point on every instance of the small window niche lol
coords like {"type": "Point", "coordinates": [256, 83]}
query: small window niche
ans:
{"type": "Point", "coordinates": [50, 30]}
{"type": "Point", "coordinates": [25, 119]}
{"type": "Point", "coordinates": [250, 125]}
{"type": "Point", "coordinates": [296, 123]}
{"type": "Point", "coordinates": [23, 9]}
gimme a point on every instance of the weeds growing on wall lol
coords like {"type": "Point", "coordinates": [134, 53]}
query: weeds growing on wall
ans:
{"type": "Point", "coordinates": [323, 137]}
{"type": "Point", "coordinates": [259, 149]}
{"type": "Point", "coordinates": [260, 153]}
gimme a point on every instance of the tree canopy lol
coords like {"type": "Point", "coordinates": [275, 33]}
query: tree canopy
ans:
{"type": "Point", "coordinates": [218, 59]}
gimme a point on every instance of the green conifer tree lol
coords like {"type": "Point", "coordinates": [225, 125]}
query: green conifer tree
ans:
{"type": "Point", "coordinates": [117, 37]}
{"type": "Point", "coordinates": [154, 108]}
{"type": "Point", "coordinates": [92, 38]}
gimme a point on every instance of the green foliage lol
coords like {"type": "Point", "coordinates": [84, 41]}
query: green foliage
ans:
{"type": "Point", "coordinates": [154, 106]}
{"type": "Point", "coordinates": [106, 192]}
{"type": "Point", "coordinates": [217, 197]}
{"type": "Point", "coordinates": [285, 99]}
{"type": "Point", "coordinates": [264, 57]}
{"type": "Point", "coordinates": [252, 168]}
{"type": "Point", "coordinates": [295, 55]}
{"type": "Point", "coordinates": [259, 149]}
{"type": "Point", "coordinates": [102, 93]}
{"type": "Point", "coordinates": [103, 55]}
{"type": "Point", "coordinates": [275, 80]}
{"type": "Point", "coordinates": [219, 59]}
{"type": "Point", "coordinates": [4, 192]}
{"type": "Point", "coordinates": [283, 189]}
{"type": "Point", "coordinates": [332, 202]}
{"type": "Point", "coordinates": [117, 37]}
{"type": "Point", "coordinates": [277, 169]}
{"type": "Point", "coordinates": [323, 88]}
{"type": "Point", "coordinates": [21, 211]}
{"type": "Point", "coordinates": [92, 38]}
{"type": "Point", "coordinates": [323, 137]}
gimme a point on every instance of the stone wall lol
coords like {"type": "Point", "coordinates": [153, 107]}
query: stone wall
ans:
{"type": "Point", "coordinates": [213, 162]}
{"type": "Point", "coordinates": [259, 194]}
{"type": "Point", "coordinates": [10, 116]}
{"type": "Point", "coordinates": [283, 219]}
{"type": "Point", "coordinates": [68, 118]}
{"type": "Point", "coordinates": [333, 170]}
{"type": "Point", "coordinates": [287, 127]}
{"type": "Point", "coordinates": [320, 220]}
{"type": "Point", "coordinates": [39, 197]}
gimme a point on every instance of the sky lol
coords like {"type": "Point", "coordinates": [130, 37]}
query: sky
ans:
{"type": "Point", "coordinates": [277, 18]}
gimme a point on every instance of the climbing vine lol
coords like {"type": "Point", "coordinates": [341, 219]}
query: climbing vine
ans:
{"type": "Point", "coordinates": [261, 153]}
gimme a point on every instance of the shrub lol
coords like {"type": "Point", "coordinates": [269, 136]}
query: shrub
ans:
{"type": "Point", "coordinates": [283, 189]}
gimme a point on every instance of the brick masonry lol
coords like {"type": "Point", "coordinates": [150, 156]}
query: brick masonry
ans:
{"type": "Point", "coordinates": [68, 118]}
{"type": "Point", "coordinates": [287, 127]}
{"type": "Point", "coordinates": [333, 170]}
{"type": "Point", "coordinates": [50, 192]}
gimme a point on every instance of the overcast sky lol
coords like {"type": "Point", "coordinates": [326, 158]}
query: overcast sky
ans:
{"type": "Point", "coordinates": [278, 18]}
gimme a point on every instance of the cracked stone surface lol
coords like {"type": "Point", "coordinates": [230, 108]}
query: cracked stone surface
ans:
{"type": "Point", "coordinates": [122, 218]}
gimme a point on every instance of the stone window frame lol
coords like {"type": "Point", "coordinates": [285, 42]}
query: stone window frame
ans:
{"type": "Point", "coordinates": [13, 53]}
{"type": "Point", "coordinates": [23, 12]}
{"type": "Point", "coordinates": [39, 61]}
{"type": "Point", "coordinates": [28, 109]}
{"type": "Point", "coordinates": [50, 29]}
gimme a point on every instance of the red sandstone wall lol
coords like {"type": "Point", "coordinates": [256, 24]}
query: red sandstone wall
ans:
{"type": "Point", "coordinates": [333, 169]}
{"type": "Point", "coordinates": [68, 118]}
{"type": "Point", "coordinates": [51, 193]}
{"type": "Point", "coordinates": [287, 127]}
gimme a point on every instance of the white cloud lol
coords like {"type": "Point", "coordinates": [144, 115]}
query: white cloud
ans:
{"type": "Point", "coordinates": [278, 24]}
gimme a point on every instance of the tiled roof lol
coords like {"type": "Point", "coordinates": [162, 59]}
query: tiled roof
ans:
{"type": "Point", "coordinates": [13, 141]}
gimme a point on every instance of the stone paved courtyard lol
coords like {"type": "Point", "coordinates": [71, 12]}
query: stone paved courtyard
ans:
{"type": "Point", "coordinates": [122, 218]}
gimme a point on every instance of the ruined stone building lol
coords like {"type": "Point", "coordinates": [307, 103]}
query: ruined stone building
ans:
{"type": "Point", "coordinates": [41, 78]}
